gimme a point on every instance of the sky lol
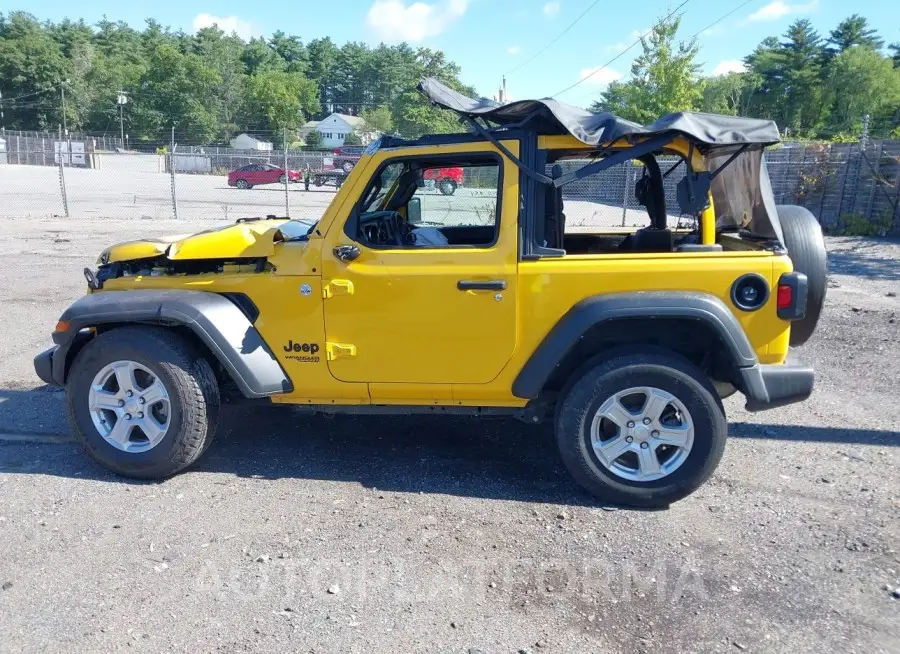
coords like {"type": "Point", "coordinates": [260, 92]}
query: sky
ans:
{"type": "Point", "coordinates": [493, 38]}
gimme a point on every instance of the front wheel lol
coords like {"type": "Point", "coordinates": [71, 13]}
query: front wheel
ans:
{"type": "Point", "coordinates": [347, 166]}
{"type": "Point", "coordinates": [142, 402]}
{"type": "Point", "coordinates": [645, 429]}
{"type": "Point", "coordinates": [283, 180]}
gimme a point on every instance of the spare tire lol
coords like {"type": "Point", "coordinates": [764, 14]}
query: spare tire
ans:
{"type": "Point", "coordinates": [806, 248]}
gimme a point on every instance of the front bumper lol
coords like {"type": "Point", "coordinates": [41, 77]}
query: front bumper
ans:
{"type": "Point", "coordinates": [50, 365]}
{"type": "Point", "coordinates": [771, 386]}
{"type": "Point", "coordinates": [43, 366]}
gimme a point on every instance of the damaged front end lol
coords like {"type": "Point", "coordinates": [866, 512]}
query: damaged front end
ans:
{"type": "Point", "coordinates": [243, 247]}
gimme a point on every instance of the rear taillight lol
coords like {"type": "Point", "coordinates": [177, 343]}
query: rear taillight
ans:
{"type": "Point", "coordinates": [785, 296]}
{"type": "Point", "coordinates": [791, 296]}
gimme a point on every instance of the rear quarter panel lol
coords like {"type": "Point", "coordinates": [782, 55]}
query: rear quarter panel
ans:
{"type": "Point", "coordinates": [550, 287]}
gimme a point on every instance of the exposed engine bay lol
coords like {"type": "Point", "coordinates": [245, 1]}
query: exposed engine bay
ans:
{"type": "Point", "coordinates": [243, 247]}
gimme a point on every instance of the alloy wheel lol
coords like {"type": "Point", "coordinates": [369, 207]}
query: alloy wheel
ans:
{"type": "Point", "coordinates": [129, 406]}
{"type": "Point", "coordinates": [642, 434]}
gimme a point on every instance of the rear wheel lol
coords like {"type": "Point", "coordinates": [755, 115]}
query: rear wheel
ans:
{"type": "Point", "coordinates": [283, 179]}
{"type": "Point", "coordinates": [347, 166]}
{"type": "Point", "coordinates": [142, 402]}
{"type": "Point", "coordinates": [447, 187]}
{"type": "Point", "coordinates": [645, 429]}
{"type": "Point", "coordinates": [806, 248]}
{"type": "Point", "coordinates": [243, 184]}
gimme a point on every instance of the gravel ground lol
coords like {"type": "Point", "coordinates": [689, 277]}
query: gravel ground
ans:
{"type": "Point", "coordinates": [448, 535]}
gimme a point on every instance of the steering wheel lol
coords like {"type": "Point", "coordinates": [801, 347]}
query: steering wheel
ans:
{"type": "Point", "coordinates": [381, 227]}
{"type": "Point", "coordinates": [406, 232]}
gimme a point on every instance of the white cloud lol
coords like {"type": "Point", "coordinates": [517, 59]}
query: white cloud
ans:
{"type": "Point", "coordinates": [228, 24]}
{"type": "Point", "coordinates": [633, 36]}
{"type": "Point", "coordinates": [514, 49]}
{"type": "Point", "coordinates": [600, 76]}
{"type": "Point", "coordinates": [778, 9]}
{"type": "Point", "coordinates": [551, 8]}
{"type": "Point", "coordinates": [728, 66]}
{"type": "Point", "coordinates": [396, 20]}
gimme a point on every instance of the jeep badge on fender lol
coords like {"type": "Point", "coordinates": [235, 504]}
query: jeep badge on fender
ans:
{"type": "Point", "coordinates": [311, 348]}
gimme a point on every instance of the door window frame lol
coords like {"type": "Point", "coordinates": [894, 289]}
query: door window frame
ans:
{"type": "Point", "coordinates": [350, 228]}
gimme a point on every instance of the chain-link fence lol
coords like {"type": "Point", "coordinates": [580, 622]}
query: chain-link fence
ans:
{"type": "Point", "coordinates": [847, 186]}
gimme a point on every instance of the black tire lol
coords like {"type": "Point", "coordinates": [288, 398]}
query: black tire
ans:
{"type": "Point", "coordinates": [652, 368]}
{"type": "Point", "coordinates": [806, 248]}
{"type": "Point", "coordinates": [318, 181]}
{"type": "Point", "coordinates": [347, 166]}
{"type": "Point", "coordinates": [447, 186]}
{"type": "Point", "coordinates": [282, 180]}
{"type": "Point", "coordinates": [193, 395]}
{"type": "Point", "coordinates": [243, 184]}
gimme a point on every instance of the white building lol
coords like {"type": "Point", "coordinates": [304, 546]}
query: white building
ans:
{"type": "Point", "coordinates": [335, 129]}
{"type": "Point", "coordinates": [247, 142]}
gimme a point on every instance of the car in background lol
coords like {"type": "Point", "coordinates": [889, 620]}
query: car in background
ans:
{"type": "Point", "coordinates": [346, 157]}
{"type": "Point", "coordinates": [254, 174]}
{"type": "Point", "coordinates": [446, 180]}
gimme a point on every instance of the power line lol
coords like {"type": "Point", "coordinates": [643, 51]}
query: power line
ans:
{"type": "Point", "coordinates": [614, 59]}
{"type": "Point", "coordinates": [27, 95]}
{"type": "Point", "coordinates": [700, 31]}
{"type": "Point", "coordinates": [721, 18]}
{"type": "Point", "coordinates": [558, 37]}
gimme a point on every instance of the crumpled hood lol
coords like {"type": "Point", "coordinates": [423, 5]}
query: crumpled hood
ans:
{"type": "Point", "coordinates": [253, 239]}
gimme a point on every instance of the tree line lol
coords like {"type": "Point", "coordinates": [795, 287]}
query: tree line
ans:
{"type": "Point", "coordinates": [210, 85]}
{"type": "Point", "coordinates": [811, 86]}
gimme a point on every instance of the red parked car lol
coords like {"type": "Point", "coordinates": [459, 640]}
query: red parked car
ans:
{"type": "Point", "coordinates": [253, 174]}
{"type": "Point", "coordinates": [346, 157]}
{"type": "Point", "coordinates": [447, 180]}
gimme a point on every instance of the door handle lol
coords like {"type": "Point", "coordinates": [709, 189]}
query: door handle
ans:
{"type": "Point", "coordinates": [473, 285]}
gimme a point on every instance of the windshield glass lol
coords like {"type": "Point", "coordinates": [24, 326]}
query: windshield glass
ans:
{"type": "Point", "coordinates": [381, 190]}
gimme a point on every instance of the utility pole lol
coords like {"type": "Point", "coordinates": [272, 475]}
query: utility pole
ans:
{"type": "Point", "coordinates": [864, 138]}
{"type": "Point", "coordinates": [287, 180]}
{"type": "Point", "coordinates": [172, 174]}
{"type": "Point", "coordinates": [62, 91]}
{"type": "Point", "coordinates": [121, 100]}
{"type": "Point", "coordinates": [1, 109]}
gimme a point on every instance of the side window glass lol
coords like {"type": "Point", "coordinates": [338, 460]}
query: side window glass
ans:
{"type": "Point", "coordinates": [613, 198]}
{"type": "Point", "coordinates": [432, 204]}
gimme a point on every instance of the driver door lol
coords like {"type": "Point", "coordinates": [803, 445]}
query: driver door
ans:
{"type": "Point", "coordinates": [437, 307]}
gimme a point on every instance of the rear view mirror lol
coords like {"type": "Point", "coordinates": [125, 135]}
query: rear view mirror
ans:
{"type": "Point", "coordinates": [414, 211]}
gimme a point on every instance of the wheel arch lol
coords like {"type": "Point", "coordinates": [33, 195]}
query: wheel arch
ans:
{"type": "Point", "coordinates": [686, 323]}
{"type": "Point", "coordinates": [219, 326]}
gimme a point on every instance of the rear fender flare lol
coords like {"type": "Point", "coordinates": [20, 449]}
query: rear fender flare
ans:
{"type": "Point", "coordinates": [598, 309]}
{"type": "Point", "coordinates": [217, 322]}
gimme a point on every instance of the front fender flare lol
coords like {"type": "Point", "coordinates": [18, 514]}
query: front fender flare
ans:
{"type": "Point", "coordinates": [228, 334]}
{"type": "Point", "coordinates": [618, 306]}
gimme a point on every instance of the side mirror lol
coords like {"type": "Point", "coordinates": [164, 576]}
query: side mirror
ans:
{"type": "Point", "coordinates": [414, 211]}
{"type": "Point", "coordinates": [346, 253]}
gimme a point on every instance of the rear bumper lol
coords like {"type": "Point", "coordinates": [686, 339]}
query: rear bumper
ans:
{"type": "Point", "coordinates": [772, 386]}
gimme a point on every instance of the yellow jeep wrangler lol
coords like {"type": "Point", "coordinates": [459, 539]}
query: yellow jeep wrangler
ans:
{"type": "Point", "coordinates": [484, 302]}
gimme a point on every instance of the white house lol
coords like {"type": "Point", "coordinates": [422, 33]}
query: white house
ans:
{"type": "Point", "coordinates": [335, 128]}
{"type": "Point", "coordinates": [247, 142]}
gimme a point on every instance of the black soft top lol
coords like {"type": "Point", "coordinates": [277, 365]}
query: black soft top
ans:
{"type": "Point", "coordinates": [548, 116]}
